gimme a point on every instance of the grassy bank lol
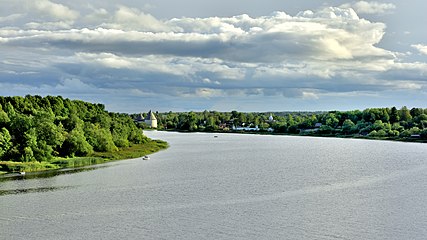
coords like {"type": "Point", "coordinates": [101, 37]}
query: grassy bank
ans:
{"type": "Point", "coordinates": [134, 151]}
{"type": "Point", "coordinates": [8, 166]}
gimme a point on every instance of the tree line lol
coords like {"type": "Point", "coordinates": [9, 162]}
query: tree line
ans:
{"type": "Point", "coordinates": [35, 128]}
{"type": "Point", "coordinates": [389, 123]}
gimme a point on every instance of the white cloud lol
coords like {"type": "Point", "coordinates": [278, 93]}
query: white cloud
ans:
{"type": "Point", "coordinates": [54, 10]}
{"type": "Point", "coordinates": [97, 16]}
{"type": "Point", "coordinates": [127, 52]}
{"type": "Point", "coordinates": [421, 48]}
{"type": "Point", "coordinates": [208, 81]}
{"type": "Point", "coordinates": [371, 7]}
{"type": "Point", "coordinates": [208, 92]}
{"type": "Point", "coordinates": [187, 66]}
{"type": "Point", "coordinates": [133, 19]}
{"type": "Point", "coordinates": [11, 17]}
{"type": "Point", "coordinates": [330, 34]}
{"type": "Point", "coordinates": [49, 25]}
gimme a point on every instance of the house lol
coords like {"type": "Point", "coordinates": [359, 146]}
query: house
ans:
{"type": "Point", "coordinates": [246, 128]}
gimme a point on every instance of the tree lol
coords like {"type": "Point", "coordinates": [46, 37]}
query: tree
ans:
{"type": "Point", "coordinates": [75, 144]}
{"type": "Point", "coordinates": [5, 142]}
{"type": "Point", "coordinates": [264, 126]}
{"type": "Point", "coordinates": [348, 126]}
{"type": "Point", "coordinates": [404, 114]}
{"type": "Point", "coordinates": [192, 121]}
{"type": "Point", "coordinates": [211, 124]}
{"type": "Point", "coordinates": [332, 120]}
{"type": "Point", "coordinates": [385, 116]}
{"type": "Point", "coordinates": [9, 109]}
{"type": "Point", "coordinates": [38, 128]}
{"type": "Point", "coordinates": [47, 131]}
{"type": "Point", "coordinates": [378, 125]}
{"type": "Point", "coordinates": [394, 116]}
{"type": "Point", "coordinates": [415, 112]}
{"type": "Point", "coordinates": [4, 118]}
{"type": "Point", "coordinates": [99, 138]}
{"type": "Point", "coordinates": [241, 118]}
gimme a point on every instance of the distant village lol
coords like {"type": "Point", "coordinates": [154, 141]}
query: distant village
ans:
{"type": "Point", "coordinates": [382, 123]}
{"type": "Point", "coordinates": [149, 120]}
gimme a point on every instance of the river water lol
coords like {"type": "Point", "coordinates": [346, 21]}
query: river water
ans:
{"type": "Point", "coordinates": [230, 187]}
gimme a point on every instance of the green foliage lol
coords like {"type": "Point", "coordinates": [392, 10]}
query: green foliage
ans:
{"type": "Point", "coordinates": [75, 144]}
{"type": "Point", "coordinates": [348, 126]}
{"type": "Point", "coordinates": [10, 166]}
{"type": "Point", "coordinates": [102, 140]}
{"type": "Point", "coordinates": [5, 142]}
{"type": "Point", "coordinates": [78, 161]}
{"type": "Point", "coordinates": [41, 129]}
{"type": "Point", "coordinates": [387, 123]}
{"type": "Point", "coordinates": [134, 151]}
{"type": "Point", "coordinates": [405, 114]}
{"type": "Point", "coordinates": [4, 118]}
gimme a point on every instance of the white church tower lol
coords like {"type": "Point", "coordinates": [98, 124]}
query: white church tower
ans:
{"type": "Point", "coordinates": [151, 120]}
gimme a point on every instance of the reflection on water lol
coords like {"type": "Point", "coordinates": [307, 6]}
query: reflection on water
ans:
{"type": "Point", "coordinates": [32, 190]}
{"type": "Point", "coordinates": [48, 174]}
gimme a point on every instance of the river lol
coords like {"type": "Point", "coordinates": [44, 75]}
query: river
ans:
{"type": "Point", "coordinates": [231, 186]}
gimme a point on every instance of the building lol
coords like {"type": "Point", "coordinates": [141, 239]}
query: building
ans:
{"type": "Point", "coordinates": [246, 128]}
{"type": "Point", "coordinates": [151, 120]}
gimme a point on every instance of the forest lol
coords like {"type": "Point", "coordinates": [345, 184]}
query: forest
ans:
{"type": "Point", "coordinates": [380, 123]}
{"type": "Point", "coordinates": [38, 133]}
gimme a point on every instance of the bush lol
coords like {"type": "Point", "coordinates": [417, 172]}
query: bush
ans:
{"type": "Point", "coordinates": [405, 133]}
{"type": "Point", "coordinates": [373, 133]}
{"type": "Point", "coordinates": [121, 142]}
{"type": "Point", "coordinates": [381, 133]}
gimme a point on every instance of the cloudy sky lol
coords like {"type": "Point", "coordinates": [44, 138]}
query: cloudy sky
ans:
{"type": "Point", "coordinates": [270, 55]}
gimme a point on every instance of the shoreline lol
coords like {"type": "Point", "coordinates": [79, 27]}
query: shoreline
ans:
{"type": "Point", "coordinates": [13, 169]}
{"type": "Point", "coordinates": [408, 140]}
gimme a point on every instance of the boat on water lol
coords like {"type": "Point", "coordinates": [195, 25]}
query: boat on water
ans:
{"type": "Point", "coordinates": [215, 136]}
{"type": "Point", "coordinates": [146, 158]}
{"type": "Point", "coordinates": [22, 173]}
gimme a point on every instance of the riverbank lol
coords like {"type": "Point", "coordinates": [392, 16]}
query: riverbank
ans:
{"type": "Point", "coordinates": [328, 135]}
{"type": "Point", "coordinates": [134, 151]}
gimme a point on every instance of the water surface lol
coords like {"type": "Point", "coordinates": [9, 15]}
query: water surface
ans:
{"type": "Point", "coordinates": [231, 187]}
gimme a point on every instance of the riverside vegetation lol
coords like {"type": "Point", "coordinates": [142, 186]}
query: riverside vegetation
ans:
{"type": "Point", "coordinates": [42, 133]}
{"type": "Point", "coordinates": [375, 123]}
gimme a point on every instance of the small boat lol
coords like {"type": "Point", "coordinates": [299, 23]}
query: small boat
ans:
{"type": "Point", "coordinates": [22, 173]}
{"type": "Point", "coordinates": [146, 158]}
{"type": "Point", "coordinates": [215, 136]}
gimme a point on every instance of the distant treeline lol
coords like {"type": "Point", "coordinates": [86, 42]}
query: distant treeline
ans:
{"type": "Point", "coordinates": [391, 123]}
{"type": "Point", "coordinates": [38, 129]}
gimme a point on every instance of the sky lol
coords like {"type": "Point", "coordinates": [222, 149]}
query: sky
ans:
{"type": "Point", "coordinates": [191, 55]}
